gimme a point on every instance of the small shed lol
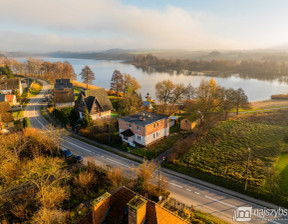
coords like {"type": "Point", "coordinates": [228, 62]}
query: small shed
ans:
{"type": "Point", "coordinates": [190, 122]}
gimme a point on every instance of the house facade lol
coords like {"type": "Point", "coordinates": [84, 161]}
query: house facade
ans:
{"type": "Point", "coordinates": [143, 128]}
{"type": "Point", "coordinates": [96, 102]}
{"type": "Point", "coordinates": [63, 93]}
{"type": "Point", "coordinates": [8, 85]}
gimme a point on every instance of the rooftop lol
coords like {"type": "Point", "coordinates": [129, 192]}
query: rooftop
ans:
{"type": "Point", "coordinates": [101, 96]}
{"type": "Point", "coordinates": [144, 118]}
{"type": "Point", "coordinates": [63, 83]}
{"type": "Point", "coordinates": [123, 197]}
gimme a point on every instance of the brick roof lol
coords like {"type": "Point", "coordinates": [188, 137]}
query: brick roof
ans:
{"type": "Point", "coordinates": [5, 112]}
{"type": "Point", "coordinates": [155, 214]}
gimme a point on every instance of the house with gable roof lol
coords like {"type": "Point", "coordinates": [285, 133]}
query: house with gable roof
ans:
{"type": "Point", "coordinates": [63, 93]}
{"type": "Point", "coordinates": [96, 102]}
{"type": "Point", "coordinates": [8, 85]}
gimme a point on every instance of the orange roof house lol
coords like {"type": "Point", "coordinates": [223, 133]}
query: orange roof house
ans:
{"type": "Point", "coordinates": [126, 206]}
{"type": "Point", "coordinates": [11, 99]}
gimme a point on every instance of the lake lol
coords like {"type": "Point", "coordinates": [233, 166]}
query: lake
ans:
{"type": "Point", "coordinates": [255, 89]}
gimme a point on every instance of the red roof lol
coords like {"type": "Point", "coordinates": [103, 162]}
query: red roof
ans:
{"type": "Point", "coordinates": [10, 97]}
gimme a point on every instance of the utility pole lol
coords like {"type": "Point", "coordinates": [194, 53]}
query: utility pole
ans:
{"type": "Point", "coordinates": [246, 182]}
{"type": "Point", "coordinates": [109, 132]}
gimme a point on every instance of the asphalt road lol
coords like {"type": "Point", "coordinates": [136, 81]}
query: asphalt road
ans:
{"type": "Point", "coordinates": [206, 197]}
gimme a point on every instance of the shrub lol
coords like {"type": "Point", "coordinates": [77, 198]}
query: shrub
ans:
{"type": "Point", "coordinates": [26, 122]}
{"type": "Point", "coordinates": [63, 114]}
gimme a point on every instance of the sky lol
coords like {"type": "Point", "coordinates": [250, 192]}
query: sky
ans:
{"type": "Point", "coordinates": [94, 25]}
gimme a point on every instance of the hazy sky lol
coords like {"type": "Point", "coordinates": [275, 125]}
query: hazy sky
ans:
{"type": "Point", "coordinates": [91, 25]}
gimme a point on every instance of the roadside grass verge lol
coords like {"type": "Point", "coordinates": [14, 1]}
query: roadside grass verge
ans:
{"type": "Point", "coordinates": [44, 114]}
{"type": "Point", "coordinates": [282, 169]}
{"type": "Point", "coordinates": [104, 148]}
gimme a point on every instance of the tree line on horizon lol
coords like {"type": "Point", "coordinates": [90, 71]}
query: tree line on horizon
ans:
{"type": "Point", "coordinates": [39, 68]}
{"type": "Point", "coordinates": [260, 69]}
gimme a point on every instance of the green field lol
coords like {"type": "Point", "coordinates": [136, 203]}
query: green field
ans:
{"type": "Point", "coordinates": [221, 156]}
{"type": "Point", "coordinates": [282, 170]}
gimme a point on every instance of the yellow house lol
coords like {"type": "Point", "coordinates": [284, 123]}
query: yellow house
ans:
{"type": "Point", "coordinates": [189, 123]}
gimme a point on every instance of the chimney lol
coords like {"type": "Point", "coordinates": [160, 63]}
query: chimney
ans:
{"type": "Point", "coordinates": [100, 208]}
{"type": "Point", "coordinates": [137, 210]}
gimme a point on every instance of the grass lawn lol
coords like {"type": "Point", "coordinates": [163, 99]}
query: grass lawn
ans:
{"type": "Point", "coordinates": [77, 89]}
{"type": "Point", "coordinates": [282, 169]}
{"type": "Point", "coordinates": [157, 148]}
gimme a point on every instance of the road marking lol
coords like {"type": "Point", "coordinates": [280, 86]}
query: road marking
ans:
{"type": "Point", "coordinates": [77, 146]}
{"type": "Point", "coordinates": [176, 185]}
{"type": "Point", "coordinates": [118, 163]}
{"type": "Point", "coordinates": [188, 190]}
{"type": "Point", "coordinates": [221, 202]}
{"type": "Point", "coordinates": [197, 193]}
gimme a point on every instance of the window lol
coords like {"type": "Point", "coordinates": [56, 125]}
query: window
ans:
{"type": "Point", "coordinates": [138, 137]}
{"type": "Point", "coordinates": [138, 128]}
{"type": "Point", "coordinates": [130, 126]}
{"type": "Point", "coordinates": [157, 134]}
{"type": "Point", "coordinates": [154, 135]}
{"type": "Point", "coordinates": [157, 124]}
{"type": "Point", "coordinates": [154, 125]}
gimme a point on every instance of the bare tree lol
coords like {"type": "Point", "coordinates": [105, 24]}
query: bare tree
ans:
{"type": "Point", "coordinates": [164, 90]}
{"type": "Point", "coordinates": [116, 176]}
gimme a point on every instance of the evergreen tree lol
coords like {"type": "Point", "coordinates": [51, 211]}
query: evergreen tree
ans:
{"type": "Point", "coordinates": [86, 120]}
{"type": "Point", "coordinates": [117, 82]}
{"type": "Point", "coordinates": [5, 70]}
{"type": "Point", "coordinates": [87, 75]}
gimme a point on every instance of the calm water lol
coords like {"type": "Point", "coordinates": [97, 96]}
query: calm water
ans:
{"type": "Point", "coordinates": [255, 89]}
